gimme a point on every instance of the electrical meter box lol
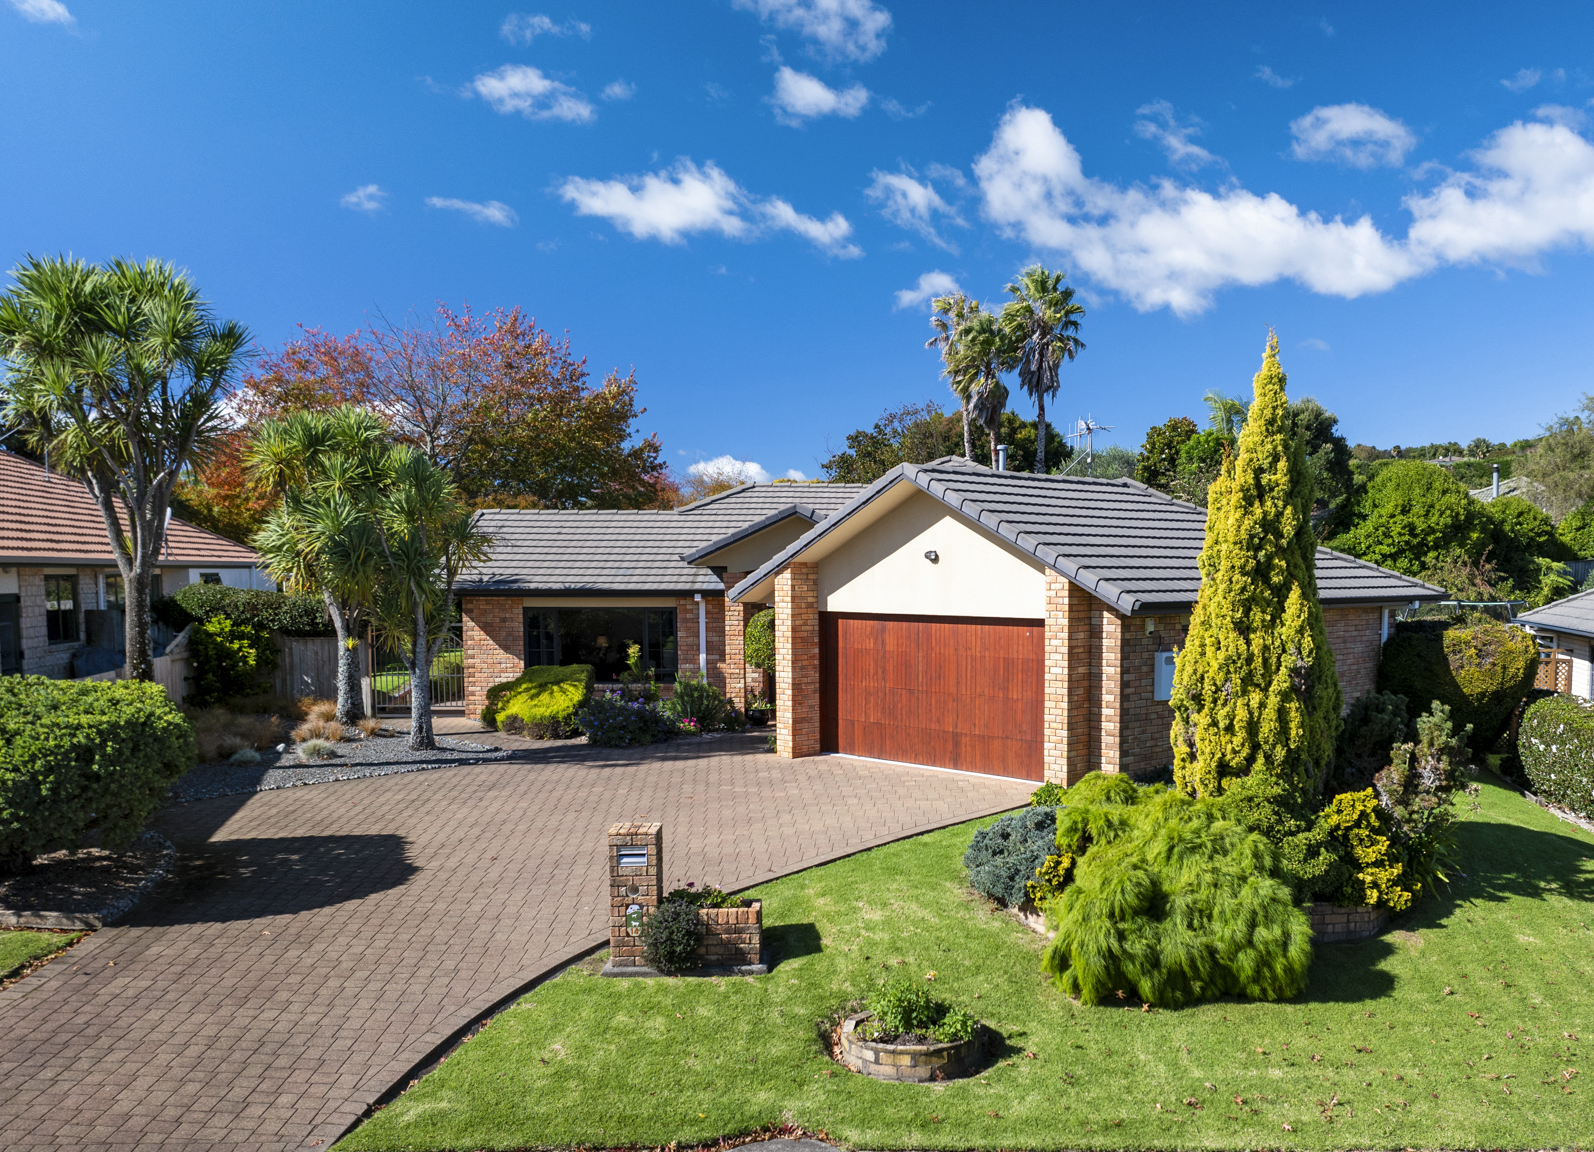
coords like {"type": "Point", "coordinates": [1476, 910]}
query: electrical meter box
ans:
{"type": "Point", "coordinates": [1162, 678]}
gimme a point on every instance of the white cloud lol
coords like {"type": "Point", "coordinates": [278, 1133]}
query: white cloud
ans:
{"type": "Point", "coordinates": [492, 212]}
{"type": "Point", "coordinates": [729, 467]}
{"type": "Point", "coordinates": [1524, 79]}
{"type": "Point", "coordinates": [1272, 78]}
{"type": "Point", "coordinates": [1353, 134]}
{"type": "Point", "coordinates": [1574, 118]}
{"type": "Point", "coordinates": [619, 90]}
{"type": "Point", "coordinates": [799, 96]}
{"type": "Point", "coordinates": [1328, 29]}
{"type": "Point", "coordinates": [953, 176]}
{"type": "Point", "coordinates": [684, 200]}
{"type": "Point", "coordinates": [796, 474]}
{"type": "Point", "coordinates": [522, 28]}
{"type": "Point", "coordinates": [1315, 343]}
{"type": "Point", "coordinates": [840, 30]}
{"type": "Point", "coordinates": [523, 89]}
{"type": "Point", "coordinates": [910, 204]}
{"type": "Point", "coordinates": [930, 285]}
{"type": "Point", "coordinates": [44, 12]}
{"type": "Point", "coordinates": [1172, 137]}
{"type": "Point", "coordinates": [899, 111]}
{"type": "Point", "coordinates": [1175, 246]}
{"type": "Point", "coordinates": [365, 198]}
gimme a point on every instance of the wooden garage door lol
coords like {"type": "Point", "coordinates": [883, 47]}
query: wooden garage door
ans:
{"type": "Point", "coordinates": [953, 692]}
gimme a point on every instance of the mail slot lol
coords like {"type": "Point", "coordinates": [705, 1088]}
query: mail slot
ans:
{"type": "Point", "coordinates": [633, 857]}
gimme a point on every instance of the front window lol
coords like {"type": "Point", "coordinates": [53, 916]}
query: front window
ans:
{"type": "Point", "coordinates": [602, 637]}
{"type": "Point", "coordinates": [60, 609]}
{"type": "Point", "coordinates": [210, 577]}
{"type": "Point", "coordinates": [115, 592]}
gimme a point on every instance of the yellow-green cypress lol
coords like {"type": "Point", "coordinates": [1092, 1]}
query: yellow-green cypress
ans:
{"type": "Point", "coordinates": [1255, 689]}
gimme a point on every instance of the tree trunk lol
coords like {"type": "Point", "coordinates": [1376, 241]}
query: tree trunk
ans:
{"type": "Point", "coordinates": [968, 439]}
{"type": "Point", "coordinates": [421, 652]}
{"type": "Point", "coordinates": [1040, 432]}
{"type": "Point", "coordinates": [351, 702]}
{"type": "Point", "coordinates": [135, 633]}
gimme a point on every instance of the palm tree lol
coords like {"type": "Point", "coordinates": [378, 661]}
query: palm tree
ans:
{"type": "Point", "coordinates": [116, 373]}
{"type": "Point", "coordinates": [1226, 414]}
{"type": "Point", "coordinates": [1040, 326]}
{"type": "Point", "coordinates": [951, 313]}
{"type": "Point", "coordinates": [977, 370]}
{"type": "Point", "coordinates": [326, 469]}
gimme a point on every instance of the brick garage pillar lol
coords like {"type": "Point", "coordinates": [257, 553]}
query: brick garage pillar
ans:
{"type": "Point", "coordinates": [636, 865]}
{"type": "Point", "coordinates": [1109, 687]}
{"type": "Point", "coordinates": [495, 646]}
{"type": "Point", "coordinates": [1069, 716]}
{"type": "Point", "coordinates": [686, 637]}
{"type": "Point", "coordinates": [797, 661]}
{"type": "Point", "coordinates": [733, 669]}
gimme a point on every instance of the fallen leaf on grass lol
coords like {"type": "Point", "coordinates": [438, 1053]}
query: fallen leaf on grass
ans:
{"type": "Point", "coordinates": [1288, 1128]}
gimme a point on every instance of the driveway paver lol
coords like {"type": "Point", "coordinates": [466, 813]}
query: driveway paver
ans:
{"type": "Point", "coordinates": [314, 944]}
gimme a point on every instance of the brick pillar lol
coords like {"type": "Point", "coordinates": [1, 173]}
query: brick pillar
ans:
{"type": "Point", "coordinates": [734, 668]}
{"type": "Point", "coordinates": [686, 637]}
{"type": "Point", "coordinates": [797, 661]}
{"type": "Point", "coordinates": [1070, 663]}
{"type": "Point", "coordinates": [1110, 689]}
{"type": "Point", "coordinates": [636, 867]}
{"type": "Point", "coordinates": [495, 646]}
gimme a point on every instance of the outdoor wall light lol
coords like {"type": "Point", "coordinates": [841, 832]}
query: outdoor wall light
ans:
{"type": "Point", "coordinates": [932, 556]}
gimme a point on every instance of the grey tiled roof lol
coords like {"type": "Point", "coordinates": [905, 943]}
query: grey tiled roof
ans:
{"type": "Point", "coordinates": [554, 551]}
{"type": "Point", "coordinates": [1573, 614]}
{"type": "Point", "coordinates": [806, 511]}
{"type": "Point", "coordinates": [1128, 544]}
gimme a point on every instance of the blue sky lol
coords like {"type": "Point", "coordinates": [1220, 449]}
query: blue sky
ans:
{"type": "Point", "coordinates": [739, 198]}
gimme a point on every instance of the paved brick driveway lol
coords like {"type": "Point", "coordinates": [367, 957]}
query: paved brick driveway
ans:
{"type": "Point", "coordinates": [315, 943]}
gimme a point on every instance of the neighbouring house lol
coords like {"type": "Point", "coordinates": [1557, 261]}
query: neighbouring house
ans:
{"type": "Point", "coordinates": [61, 593]}
{"type": "Point", "coordinates": [1565, 631]}
{"type": "Point", "coordinates": [1013, 624]}
{"type": "Point", "coordinates": [576, 586]}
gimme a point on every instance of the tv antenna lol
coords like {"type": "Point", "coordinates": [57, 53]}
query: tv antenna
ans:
{"type": "Point", "coordinates": [1085, 431]}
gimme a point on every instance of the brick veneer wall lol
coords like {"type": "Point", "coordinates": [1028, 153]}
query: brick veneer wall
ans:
{"type": "Point", "coordinates": [1355, 636]}
{"type": "Point", "coordinates": [628, 886]}
{"type": "Point", "coordinates": [733, 668]}
{"type": "Point", "coordinates": [495, 646]}
{"type": "Point", "coordinates": [686, 637]}
{"type": "Point", "coordinates": [797, 661]}
{"type": "Point", "coordinates": [732, 937]}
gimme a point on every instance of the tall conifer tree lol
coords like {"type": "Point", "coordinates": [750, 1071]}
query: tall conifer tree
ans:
{"type": "Point", "coordinates": [1255, 689]}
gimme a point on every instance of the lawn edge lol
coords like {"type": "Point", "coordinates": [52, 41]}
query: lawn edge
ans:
{"type": "Point", "coordinates": [440, 1042]}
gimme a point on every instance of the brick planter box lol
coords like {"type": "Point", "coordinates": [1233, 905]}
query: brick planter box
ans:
{"type": "Point", "coordinates": [1335, 924]}
{"type": "Point", "coordinates": [916, 1063]}
{"type": "Point", "coordinates": [732, 944]}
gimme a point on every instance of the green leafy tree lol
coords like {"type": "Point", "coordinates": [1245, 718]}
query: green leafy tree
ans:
{"type": "Point", "coordinates": [1200, 461]}
{"type": "Point", "coordinates": [1576, 532]}
{"type": "Point", "coordinates": [1040, 329]}
{"type": "Point", "coordinates": [912, 434]}
{"type": "Point", "coordinates": [1563, 460]}
{"type": "Point", "coordinates": [1256, 690]}
{"type": "Point", "coordinates": [1520, 534]}
{"type": "Point", "coordinates": [1158, 463]}
{"type": "Point", "coordinates": [426, 536]}
{"type": "Point", "coordinates": [326, 469]}
{"type": "Point", "coordinates": [1327, 454]}
{"type": "Point", "coordinates": [116, 374]}
{"type": "Point", "coordinates": [1412, 517]}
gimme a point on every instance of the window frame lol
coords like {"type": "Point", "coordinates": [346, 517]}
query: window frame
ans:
{"type": "Point", "coordinates": [55, 618]}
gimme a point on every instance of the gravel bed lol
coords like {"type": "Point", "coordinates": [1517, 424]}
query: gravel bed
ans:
{"type": "Point", "coordinates": [355, 759]}
{"type": "Point", "coordinates": [86, 889]}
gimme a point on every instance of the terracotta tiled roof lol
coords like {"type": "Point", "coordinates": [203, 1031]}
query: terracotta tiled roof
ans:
{"type": "Point", "coordinates": [49, 518]}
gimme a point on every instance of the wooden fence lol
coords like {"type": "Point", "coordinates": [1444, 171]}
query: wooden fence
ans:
{"type": "Point", "coordinates": [1555, 670]}
{"type": "Point", "coordinates": [308, 666]}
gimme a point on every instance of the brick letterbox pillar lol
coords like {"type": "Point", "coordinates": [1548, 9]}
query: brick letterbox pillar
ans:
{"type": "Point", "coordinates": [636, 866]}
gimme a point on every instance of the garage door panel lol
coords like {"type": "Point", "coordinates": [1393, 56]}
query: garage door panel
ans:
{"type": "Point", "coordinates": [953, 693]}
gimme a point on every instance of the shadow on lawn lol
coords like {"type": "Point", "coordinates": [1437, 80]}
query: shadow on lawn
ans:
{"type": "Point", "coordinates": [789, 941]}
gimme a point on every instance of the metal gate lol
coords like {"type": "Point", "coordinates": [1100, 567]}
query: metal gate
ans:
{"type": "Point", "coordinates": [390, 680]}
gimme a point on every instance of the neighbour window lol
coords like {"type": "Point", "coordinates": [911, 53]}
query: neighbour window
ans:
{"type": "Point", "coordinates": [157, 587]}
{"type": "Point", "coordinates": [60, 609]}
{"type": "Point", "coordinates": [210, 577]}
{"type": "Point", "coordinates": [602, 637]}
{"type": "Point", "coordinates": [115, 593]}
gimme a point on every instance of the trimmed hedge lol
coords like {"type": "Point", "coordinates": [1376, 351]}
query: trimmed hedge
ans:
{"type": "Point", "coordinates": [300, 614]}
{"type": "Point", "coordinates": [541, 702]}
{"type": "Point", "coordinates": [1481, 669]}
{"type": "Point", "coordinates": [1556, 743]}
{"type": "Point", "coordinates": [76, 756]}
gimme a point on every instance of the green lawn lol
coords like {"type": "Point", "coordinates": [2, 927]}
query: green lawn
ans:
{"type": "Point", "coordinates": [1457, 1030]}
{"type": "Point", "coordinates": [20, 946]}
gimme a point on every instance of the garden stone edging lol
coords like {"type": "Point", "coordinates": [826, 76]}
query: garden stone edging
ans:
{"type": "Point", "coordinates": [914, 1063]}
{"type": "Point", "coordinates": [107, 913]}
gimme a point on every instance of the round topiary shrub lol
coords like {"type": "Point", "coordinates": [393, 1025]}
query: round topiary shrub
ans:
{"type": "Point", "coordinates": [1004, 858]}
{"type": "Point", "coordinates": [1481, 669]}
{"type": "Point", "coordinates": [670, 936]}
{"type": "Point", "coordinates": [1556, 744]}
{"type": "Point", "coordinates": [758, 641]}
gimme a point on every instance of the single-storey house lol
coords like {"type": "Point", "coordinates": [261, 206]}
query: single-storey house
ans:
{"type": "Point", "coordinates": [1009, 623]}
{"type": "Point", "coordinates": [947, 615]}
{"type": "Point", "coordinates": [60, 590]}
{"type": "Point", "coordinates": [577, 586]}
{"type": "Point", "coordinates": [1566, 628]}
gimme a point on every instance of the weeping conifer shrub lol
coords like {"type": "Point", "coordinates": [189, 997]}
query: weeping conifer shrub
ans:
{"type": "Point", "coordinates": [1171, 902]}
{"type": "Point", "coordinates": [1255, 689]}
